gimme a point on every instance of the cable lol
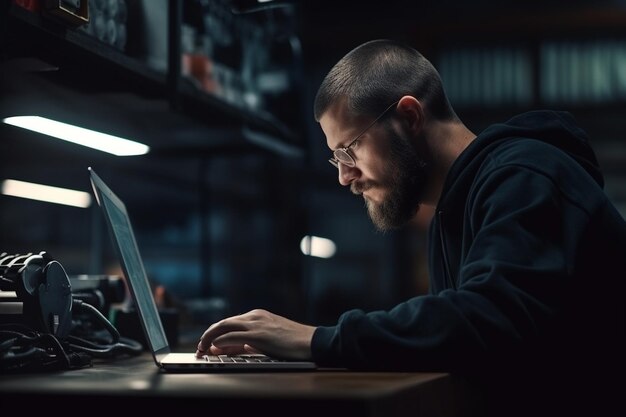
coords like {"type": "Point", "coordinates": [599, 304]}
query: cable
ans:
{"type": "Point", "coordinates": [33, 351]}
{"type": "Point", "coordinates": [103, 320]}
{"type": "Point", "coordinates": [23, 349]}
{"type": "Point", "coordinates": [118, 345]}
{"type": "Point", "coordinates": [128, 346]}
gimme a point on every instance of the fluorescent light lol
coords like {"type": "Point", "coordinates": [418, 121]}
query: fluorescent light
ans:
{"type": "Point", "coordinates": [47, 193]}
{"type": "Point", "coordinates": [81, 136]}
{"type": "Point", "coordinates": [318, 246]}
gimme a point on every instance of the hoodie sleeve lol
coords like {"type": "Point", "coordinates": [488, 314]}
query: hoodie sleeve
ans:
{"type": "Point", "coordinates": [511, 284]}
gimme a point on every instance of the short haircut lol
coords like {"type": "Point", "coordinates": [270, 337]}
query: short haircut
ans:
{"type": "Point", "coordinates": [375, 74]}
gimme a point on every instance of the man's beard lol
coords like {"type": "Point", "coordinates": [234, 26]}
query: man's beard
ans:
{"type": "Point", "coordinates": [405, 182]}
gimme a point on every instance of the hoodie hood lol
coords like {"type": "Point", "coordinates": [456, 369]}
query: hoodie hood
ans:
{"type": "Point", "coordinates": [556, 128]}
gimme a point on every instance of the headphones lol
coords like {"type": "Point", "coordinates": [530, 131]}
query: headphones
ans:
{"type": "Point", "coordinates": [43, 287]}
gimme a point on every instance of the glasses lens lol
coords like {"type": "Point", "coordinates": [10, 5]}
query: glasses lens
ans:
{"type": "Point", "coordinates": [343, 157]}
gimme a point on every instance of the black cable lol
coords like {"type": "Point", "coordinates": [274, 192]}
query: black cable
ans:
{"type": "Point", "coordinates": [124, 346]}
{"type": "Point", "coordinates": [37, 352]}
{"type": "Point", "coordinates": [58, 348]}
{"type": "Point", "coordinates": [103, 320]}
{"type": "Point", "coordinates": [22, 329]}
{"type": "Point", "coordinates": [85, 342]}
{"type": "Point", "coordinates": [7, 344]}
{"type": "Point", "coordinates": [117, 346]}
{"type": "Point", "coordinates": [23, 349]}
{"type": "Point", "coordinates": [11, 333]}
{"type": "Point", "coordinates": [27, 354]}
{"type": "Point", "coordinates": [13, 340]}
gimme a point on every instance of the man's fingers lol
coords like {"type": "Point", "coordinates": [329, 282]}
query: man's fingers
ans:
{"type": "Point", "coordinates": [232, 339]}
{"type": "Point", "coordinates": [228, 350]}
{"type": "Point", "coordinates": [233, 350]}
{"type": "Point", "coordinates": [250, 349]}
{"type": "Point", "coordinates": [217, 329]}
{"type": "Point", "coordinates": [232, 331]}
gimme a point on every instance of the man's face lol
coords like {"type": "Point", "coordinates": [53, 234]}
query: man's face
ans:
{"type": "Point", "coordinates": [388, 173]}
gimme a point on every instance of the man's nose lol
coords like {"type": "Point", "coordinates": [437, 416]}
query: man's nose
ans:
{"type": "Point", "coordinates": [348, 174]}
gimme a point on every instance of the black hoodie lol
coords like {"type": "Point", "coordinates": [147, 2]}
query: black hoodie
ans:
{"type": "Point", "coordinates": [527, 264]}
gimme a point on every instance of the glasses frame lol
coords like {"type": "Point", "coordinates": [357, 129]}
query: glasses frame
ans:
{"type": "Point", "coordinates": [344, 156]}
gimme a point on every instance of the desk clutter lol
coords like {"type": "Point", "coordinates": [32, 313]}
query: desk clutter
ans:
{"type": "Point", "coordinates": [49, 321]}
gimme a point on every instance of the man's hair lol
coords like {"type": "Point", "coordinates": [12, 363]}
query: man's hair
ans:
{"type": "Point", "coordinates": [379, 72]}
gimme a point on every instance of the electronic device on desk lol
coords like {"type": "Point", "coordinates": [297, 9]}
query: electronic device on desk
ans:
{"type": "Point", "coordinates": [109, 294]}
{"type": "Point", "coordinates": [128, 323]}
{"type": "Point", "coordinates": [101, 291]}
{"type": "Point", "coordinates": [35, 293]}
{"type": "Point", "coordinates": [42, 326]}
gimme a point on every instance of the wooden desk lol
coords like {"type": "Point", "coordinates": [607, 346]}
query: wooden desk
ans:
{"type": "Point", "coordinates": [138, 382]}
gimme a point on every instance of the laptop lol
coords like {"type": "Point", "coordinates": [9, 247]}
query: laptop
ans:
{"type": "Point", "coordinates": [121, 232]}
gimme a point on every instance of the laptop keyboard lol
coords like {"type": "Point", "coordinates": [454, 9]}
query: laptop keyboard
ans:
{"type": "Point", "coordinates": [239, 358]}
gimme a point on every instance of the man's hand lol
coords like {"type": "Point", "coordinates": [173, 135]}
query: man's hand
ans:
{"type": "Point", "coordinates": [258, 331]}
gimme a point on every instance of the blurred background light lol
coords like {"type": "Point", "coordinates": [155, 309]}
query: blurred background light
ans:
{"type": "Point", "coordinates": [318, 246]}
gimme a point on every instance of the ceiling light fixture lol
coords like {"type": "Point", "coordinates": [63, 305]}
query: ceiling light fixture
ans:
{"type": "Point", "coordinates": [81, 136]}
{"type": "Point", "coordinates": [46, 193]}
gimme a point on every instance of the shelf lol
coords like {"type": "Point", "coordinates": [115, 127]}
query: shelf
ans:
{"type": "Point", "coordinates": [578, 20]}
{"type": "Point", "coordinates": [28, 33]}
{"type": "Point", "coordinates": [85, 66]}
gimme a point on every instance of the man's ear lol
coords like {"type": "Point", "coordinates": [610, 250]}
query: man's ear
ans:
{"type": "Point", "coordinates": [412, 113]}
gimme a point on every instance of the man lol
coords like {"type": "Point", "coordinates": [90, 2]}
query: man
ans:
{"type": "Point", "coordinates": [526, 253]}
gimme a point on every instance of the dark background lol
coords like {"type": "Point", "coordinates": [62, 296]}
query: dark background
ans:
{"type": "Point", "coordinates": [218, 215]}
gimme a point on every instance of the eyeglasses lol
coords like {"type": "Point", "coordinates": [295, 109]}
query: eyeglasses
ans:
{"type": "Point", "coordinates": [342, 155]}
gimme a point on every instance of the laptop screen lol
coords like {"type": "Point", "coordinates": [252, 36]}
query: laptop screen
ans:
{"type": "Point", "coordinates": [128, 251]}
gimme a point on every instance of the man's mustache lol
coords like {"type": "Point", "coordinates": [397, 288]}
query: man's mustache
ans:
{"type": "Point", "coordinates": [358, 188]}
